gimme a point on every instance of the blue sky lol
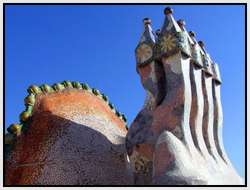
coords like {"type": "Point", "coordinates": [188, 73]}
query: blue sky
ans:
{"type": "Point", "coordinates": [95, 44]}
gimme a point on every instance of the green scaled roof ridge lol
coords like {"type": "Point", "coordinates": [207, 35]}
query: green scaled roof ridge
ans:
{"type": "Point", "coordinates": [29, 101]}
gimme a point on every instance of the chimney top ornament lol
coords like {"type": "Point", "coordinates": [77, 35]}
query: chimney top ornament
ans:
{"type": "Point", "coordinates": [181, 23]}
{"type": "Point", "coordinates": [201, 43]}
{"type": "Point", "coordinates": [169, 40]}
{"type": "Point", "coordinates": [157, 32]}
{"type": "Point", "coordinates": [146, 21]}
{"type": "Point", "coordinates": [192, 34]}
{"type": "Point", "coordinates": [144, 50]}
{"type": "Point", "coordinates": [168, 10]}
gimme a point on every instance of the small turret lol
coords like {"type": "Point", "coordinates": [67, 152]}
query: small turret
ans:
{"type": "Point", "coordinates": [157, 34]}
{"type": "Point", "coordinates": [144, 50]}
{"type": "Point", "coordinates": [172, 37]}
{"type": "Point", "coordinates": [170, 25]}
{"type": "Point", "coordinates": [182, 25]}
{"type": "Point", "coordinates": [197, 57]}
{"type": "Point", "coordinates": [207, 62]}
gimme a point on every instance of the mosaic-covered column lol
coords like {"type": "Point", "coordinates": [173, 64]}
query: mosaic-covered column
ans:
{"type": "Point", "coordinates": [151, 76]}
{"type": "Point", "coordinates": [180, 135]}
{"type": "Point", "coordinates": [208, 116]}
{"type": "Point", "coordinates": [218, 114]}
{"type": "Point", "coordinates": [173, 50]}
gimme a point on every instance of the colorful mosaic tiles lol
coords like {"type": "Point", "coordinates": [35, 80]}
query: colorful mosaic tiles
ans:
{"type": "Point", "coordinates": [172, 38]}
{"type": "Point", "coordinates": [29, 101]}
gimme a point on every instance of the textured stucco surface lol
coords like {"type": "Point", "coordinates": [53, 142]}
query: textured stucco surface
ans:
{"type": "Point", "coordinates": [73, 139]}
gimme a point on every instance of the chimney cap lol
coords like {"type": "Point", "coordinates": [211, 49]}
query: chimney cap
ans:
{"type": "Point", "coordinates": [147, 21]}
{"type": "Point", "coordinates": [157, 32]}
{"type": "Point", "coordinates": [192, 33]}
{"type": "Point", "coordinates": [168, 10]}
{"type": "Point", "coordinates": [201, 43]}
{"type": "Point", "coordinates": [181, 22]}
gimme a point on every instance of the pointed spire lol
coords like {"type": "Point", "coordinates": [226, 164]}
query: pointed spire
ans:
{"type": "Point", "coordinates": [158, 32]}
{"type": "Point", "coordinates": [187, 40]}
{"type": "Point", "coordinates": [192, 36]}
{"type": "Point", "coordinates": [202, 45]}
{"type": "Point", "coordinates": [207, 62]}
{"type": "Point", "coordinates": [182, 25]}
{"type": "Point", "coordinates": [144, 50]}
{"type": "Point", "coordinates": [146, 21]}
{"type": "Point", "coordinates": [148, 34]}
{"type": "Point", "coordinates": [170, 25]}
{"type": "Point", "coordinates": [197, 58]}
{"type": "Point", "coordinates": [168, 10]}
{"type": "Point", "coordinates": [173, 37]}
